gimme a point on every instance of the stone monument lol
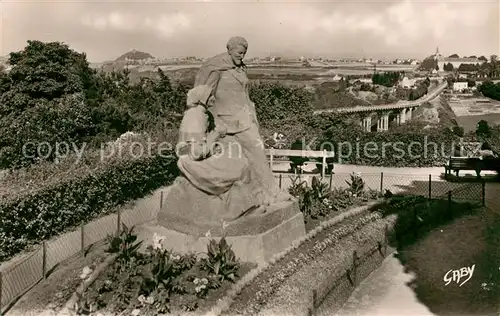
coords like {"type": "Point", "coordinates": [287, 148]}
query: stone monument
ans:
{"type": "Point", "coordinates": [219, 194]}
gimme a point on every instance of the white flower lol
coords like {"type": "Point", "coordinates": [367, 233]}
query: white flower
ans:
{"type": "Point", "coordinates": [196, 281]}
{"type": "Point", "coordinates": [208, 234]}
{"type": "Point", "coordinates": [200, 287]}
{"type": "Point", "coordinates": [172, 257]}
{"type": "Point", "coordinates": [85, 272]}
{"type": "Point", "coordinates": [150, 300]}
{"type": "Point", "coordinates": [141, 298]}
{"type": "Point", "coordinates": [136, 312]}
{"type": "Point", "coordinates": [157, 241]}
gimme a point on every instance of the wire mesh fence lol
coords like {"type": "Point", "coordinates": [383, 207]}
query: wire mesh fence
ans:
{"type": "Point", "coordinates": [16, 278]}
{"type": "Point", "coordinates": [22, 273]}
{"type": "Point", "coordinates": [431, 186]}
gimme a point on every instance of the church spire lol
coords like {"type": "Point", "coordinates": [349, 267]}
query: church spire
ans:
{"type": "Point", "coordinates": [437, 50]}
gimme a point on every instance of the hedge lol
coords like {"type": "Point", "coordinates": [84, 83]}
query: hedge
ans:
{"type": "Point", "coordinates": [392, 148]}
{"type": "Point", "coordinates": [35, 216]}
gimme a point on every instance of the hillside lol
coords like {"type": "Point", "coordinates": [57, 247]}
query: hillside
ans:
{"type": "Point", "coordinates": [134, 55]}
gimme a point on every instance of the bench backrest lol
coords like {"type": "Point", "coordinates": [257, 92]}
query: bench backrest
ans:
{"type": "Point", "coordinates": [464, 162]}
{"type": "Point", "coordinates": [300, 153]}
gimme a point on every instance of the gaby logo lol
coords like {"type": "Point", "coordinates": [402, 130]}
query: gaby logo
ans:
{"type": "Point", "coordinates": [457, 275]}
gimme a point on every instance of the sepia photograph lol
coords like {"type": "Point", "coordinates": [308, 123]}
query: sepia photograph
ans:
{"type": "Point", "coordinates": [250, 158]}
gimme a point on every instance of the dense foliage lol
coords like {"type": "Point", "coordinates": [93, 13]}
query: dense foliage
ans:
{"type": "Point", "coordinates": [158, 281]}
{"type": "Point", "coordinates": [320, 201]}
{"type": "Point", "coordinates": [387, 79]}
{"type": "Point", "coordinates": [490, 90]}
{"type": "Point", "coordinates": [51, 95]}
{"type": "Point", "coordinates": [37, 215]}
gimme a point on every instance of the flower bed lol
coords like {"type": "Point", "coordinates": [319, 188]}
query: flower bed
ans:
{"type": "Point", "coordinates": [405, 214]}
{"type": "Point", "coordinates": [256, 292]}
{"type": "Point", "coordinates": [159, 281]}
{"type": "Point", "coordinates": [319, 202]}
{"type": "Point", "coordinates": [33, 214]}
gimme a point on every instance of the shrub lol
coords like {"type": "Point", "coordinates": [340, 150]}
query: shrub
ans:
{"type": "Point", "coordinates": [391, 148]}
{"type": "Point", "coordinates": [319, 200]}
{"type": "Point", "coordinates": [221, 261]}
{"type": "Point", "coordinates": [147, 282]}
{"type": "Point", "coordinates": [32, 217]}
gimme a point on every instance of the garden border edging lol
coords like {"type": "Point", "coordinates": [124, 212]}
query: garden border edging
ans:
{"type": "Point", "coordinates": [224, 303]}
{"type": "Point", "coordinates": [71, 305]}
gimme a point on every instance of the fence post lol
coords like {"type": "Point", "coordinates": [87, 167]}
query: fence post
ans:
{"type": "Point", "coordinates": [331, 180]}
{"type": "Point", "coordinates": [82, 235]}
{"type": "Point", "coordinates": [1, 287]}
{"type": "Point", "coordinates": [118, 221]}
{"type": "Point", "coordinates": [382, 183]}
{"type": "Point", "coordinates": [354, 262]}
{"type": "Point", "coordinates": [483, 193]}
{"type": "Point", "coordinates": [44, 259]}
{"type": "Point", "coordinates": [386, 238]}
{"type": "Point", "coordinates": [450, 210]}
{"type": "Point", "coordinates": [161, 200]}
{"type": "Point", "coordinates": [280, 179]}
{"type": "Point", "coordinates": [430, 186]}
{"type": "Point", "coordinates": [315, 300]}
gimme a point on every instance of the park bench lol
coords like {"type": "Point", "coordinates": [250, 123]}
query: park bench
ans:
{"type": "Point", "coordinates": [465, 163]}
{"type": "Point", "coordinates": [325, 165]}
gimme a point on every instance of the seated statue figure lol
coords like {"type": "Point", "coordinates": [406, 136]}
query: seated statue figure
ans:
{"type": "Point", "coordinates": [212, 164]}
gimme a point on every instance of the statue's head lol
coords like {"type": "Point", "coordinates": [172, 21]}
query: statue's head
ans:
{"type": "Point", "coordinates": [237, 48]}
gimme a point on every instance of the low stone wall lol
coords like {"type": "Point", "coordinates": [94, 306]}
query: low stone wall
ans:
{"type": "Point", "coordinates": [333, 275]}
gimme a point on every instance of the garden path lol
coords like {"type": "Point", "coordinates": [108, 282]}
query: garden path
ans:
{"type": "Point", "coordinates": [384, 292]}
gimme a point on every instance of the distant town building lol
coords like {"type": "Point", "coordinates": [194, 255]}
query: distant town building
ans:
{"type": "Point", "coordinates": [365, 80]}
{"type": "Point", "coordinates": [337, 78]}
{"type": "Point", "coordinates": [407, 83]}
{"type": "Point", "coordinates": [456, 62]}
{"type": "Point", "coordinates": [459, 86]}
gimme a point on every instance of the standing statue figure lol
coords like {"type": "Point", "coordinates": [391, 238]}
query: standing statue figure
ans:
{"type": "Point", "coordinates": [235, 112]}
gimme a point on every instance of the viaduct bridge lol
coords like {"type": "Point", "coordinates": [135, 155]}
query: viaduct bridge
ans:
{"type": "Point", "coordinates": [386, 113]}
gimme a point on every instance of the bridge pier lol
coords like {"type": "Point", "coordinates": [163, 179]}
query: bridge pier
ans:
{"type": "Point", "coordinates": [383, 122]}
{"type": "Point", "coordinates": [408, 114]}
{"type": "Point", "coordinates": [402, 117]}
{"type": "Point", "coordinates": [367, 123]}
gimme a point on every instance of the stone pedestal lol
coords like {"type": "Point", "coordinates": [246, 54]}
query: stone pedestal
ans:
{"type": "Point", "coordinates": [254, 237]}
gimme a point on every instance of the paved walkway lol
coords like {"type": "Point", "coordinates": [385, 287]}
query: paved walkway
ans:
{"type": "Point", "coordinates": [384, 292]}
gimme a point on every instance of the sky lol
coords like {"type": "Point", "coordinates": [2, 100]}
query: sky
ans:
{"type": "Point", "coordinates": [372, 29]}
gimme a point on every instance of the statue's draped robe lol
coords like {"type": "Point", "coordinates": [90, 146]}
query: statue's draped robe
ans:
{"type": "Point", "coordinates": [233, 109]}
{"type": "Point", "coordinates": [219, 179]}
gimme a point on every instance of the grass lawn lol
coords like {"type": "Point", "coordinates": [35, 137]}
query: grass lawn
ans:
{"type": "Point", "coordinates": [469, 122]}
{"type": "Point", "coordinates": [469, 240]}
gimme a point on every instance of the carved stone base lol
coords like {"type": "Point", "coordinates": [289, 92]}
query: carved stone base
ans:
{"type": "Point", "coordinates": [254, 238]}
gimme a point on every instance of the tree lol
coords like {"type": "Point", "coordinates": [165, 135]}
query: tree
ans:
{"type": "Point", "coordinates": [490, 90]}
{"type": "Point", "coordinates": [43, 100]}
{"type": "Point", "coordinates": [483, 129]}
{"type": "Point", "coordinates": [448, 67]}
{"type": "Point", "coordinates": [388, 79]}
{"type": "Point", "coordinates": [454, 56]}
{"type": "Point", "coordinates": [49, 71]}
{"type": "Point", "coordinates": [482, 58]}
{"type": "Point", "coordinates": [458, 130]}
{"type": "Point", "coordinates": [428, 63]}
{"type": "Point", "coordinates": [493, 66]}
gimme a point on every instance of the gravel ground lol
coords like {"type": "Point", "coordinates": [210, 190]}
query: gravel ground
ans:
{"type": "Point", "coordinates": [293, 297]}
